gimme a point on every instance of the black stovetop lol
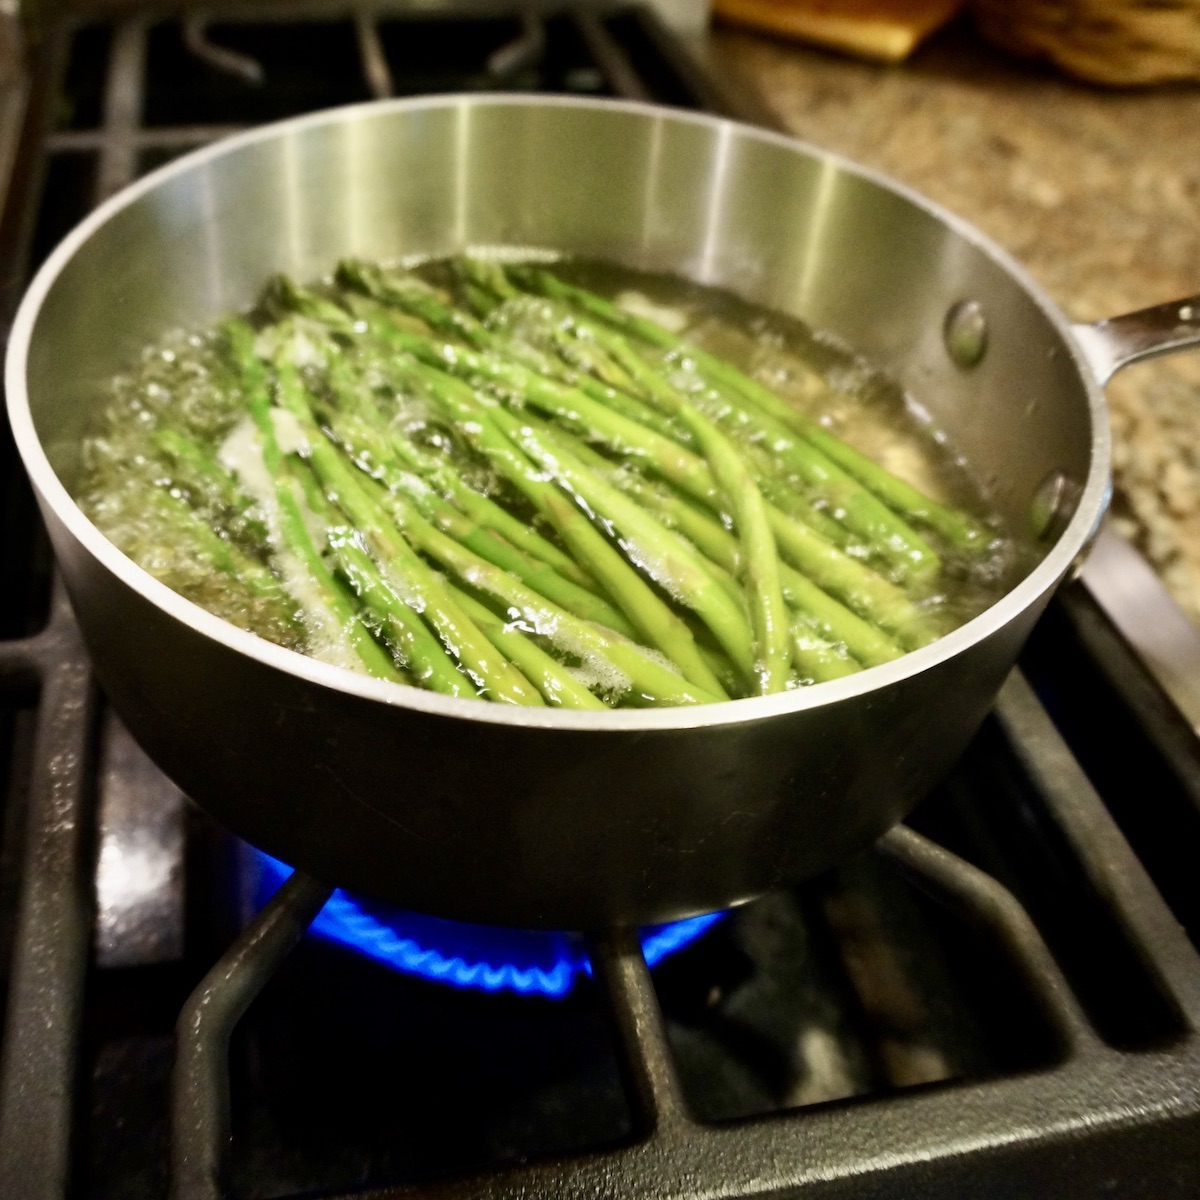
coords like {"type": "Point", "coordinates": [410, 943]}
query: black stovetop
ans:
{"type": "Point", "coordinates": [1001, 999]}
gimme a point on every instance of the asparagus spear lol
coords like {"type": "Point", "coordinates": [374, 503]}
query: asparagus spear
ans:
{"type": "Point", "coordinates": [217, 482]}
{"type": "Point", "coordinates": [412, 296]}
{"type": "Point", "coordinates": [360, 440]}
{"type": "Point", "coordinates": [759, 563]}
{"type": "Point", "coordinates": [421, 588]}
{"type": "Point", "coordinates": [957, 527]}
{"type": "Point", "coordinates": [649, 680]}
{"type": "Point", "coordinates": [646, 611]}
{"type": "Point", "coordinates": [557, 685]}
{"type": "Point", "coordinates": [703, 494]}
{"type": "Point", "coordinates": [815, 657]}
{"type": "Point", "coordinates": [416, 645]}
{"type": "Point", "coordinates": [486, 275]}
{"type": "Point", "coordinates": [661, 554]}
{"type": "Point", "coordinates": [224, 555]}
{"type": "Point", "coordinates": [562, 401]}
{"type": "Point", "coordinates": [489, 515]}
{"type": "Point", "coordinates": [867, 593]}
{"type": "Point", "coordinates": [293, 530]}
{"type": "Point", "coordinates": [485, 512]}
{"type": "Point", "coordinates": [421, 652]}
{"type": "Point", "coordinates": [834, 622]}
{"type": "Point", "coordinates": [649, 615]}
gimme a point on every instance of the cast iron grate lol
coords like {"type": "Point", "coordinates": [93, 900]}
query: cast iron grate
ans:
{"type": "Point", "coordinates": [1067, 937]}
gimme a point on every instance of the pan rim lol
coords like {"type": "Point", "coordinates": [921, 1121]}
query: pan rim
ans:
{"type": "Point", "coordinates": [1043, 578]}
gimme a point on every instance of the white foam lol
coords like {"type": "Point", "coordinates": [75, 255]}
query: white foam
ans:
{"type": "Point", "coordinates": [672, 319]}
{"type": "Point", "coordinates": [326, 637]}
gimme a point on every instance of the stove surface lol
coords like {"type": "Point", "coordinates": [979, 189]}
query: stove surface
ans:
{"type": "Point", "coordinates": [1000, 999]}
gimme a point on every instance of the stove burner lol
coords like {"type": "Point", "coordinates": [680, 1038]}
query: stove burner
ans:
{"type": "Point", "coordinates": [481, 957]}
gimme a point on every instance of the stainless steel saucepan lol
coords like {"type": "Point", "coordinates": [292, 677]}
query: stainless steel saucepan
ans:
{"type": "Point", "coordinates": [544, 817]}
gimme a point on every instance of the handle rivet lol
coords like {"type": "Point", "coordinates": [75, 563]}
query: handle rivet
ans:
{"type": "Point", "coordinates": [965, 333]}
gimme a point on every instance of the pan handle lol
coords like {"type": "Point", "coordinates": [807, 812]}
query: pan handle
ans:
{"type": "Point", "coordinates": [1110, 345]}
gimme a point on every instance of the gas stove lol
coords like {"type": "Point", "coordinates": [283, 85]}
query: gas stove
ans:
{"type": "Point", "coordinates": [1000, 999]}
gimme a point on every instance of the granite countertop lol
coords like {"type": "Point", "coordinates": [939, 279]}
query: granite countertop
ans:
{"type": "Point", "coordinates": [1096, 192]}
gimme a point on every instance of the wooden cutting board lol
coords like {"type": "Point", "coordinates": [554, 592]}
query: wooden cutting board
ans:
{"type": "Point", "coordinates": [887, 30]}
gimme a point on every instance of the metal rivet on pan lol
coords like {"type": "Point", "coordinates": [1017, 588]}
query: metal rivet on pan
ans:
{"type": "Point", "coordinates": [966, 333]}
{"type": "Point", "coordinates": [1053, 506]}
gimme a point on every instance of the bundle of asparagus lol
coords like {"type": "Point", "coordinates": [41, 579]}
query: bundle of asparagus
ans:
{"type": "Point", "coordinates": [518, 490]}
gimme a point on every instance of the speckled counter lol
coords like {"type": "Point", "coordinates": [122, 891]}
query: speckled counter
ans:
{"type": "Point", "coordinates": [1096, 192]}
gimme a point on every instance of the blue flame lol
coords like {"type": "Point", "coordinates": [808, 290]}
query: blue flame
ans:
{"type": "Point", "coordinates": [529, 962]}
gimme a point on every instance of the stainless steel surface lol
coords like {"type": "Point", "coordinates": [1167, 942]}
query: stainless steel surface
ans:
{"type": "Point", "coordinates": [1053, 505]}
{"type": "Point", "coordinates": [1162, 329]}
{"type": "Point", "coordinates": [622, 816]}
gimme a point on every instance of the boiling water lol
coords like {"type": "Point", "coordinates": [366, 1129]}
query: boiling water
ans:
{"type": "Point", "coordinates": [134, 491]}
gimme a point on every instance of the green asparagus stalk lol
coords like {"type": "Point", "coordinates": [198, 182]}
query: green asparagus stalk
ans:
{"type": "Point", "coordinates": [558, 686]}
{"type": "Point", "coordinates": [485, 274]}
{"type": "Point", "coordinates": [956, 526]}
{"type": "Point", "coordinates": [814, 657]}
{"type": "Point", "coordinates": [867, 593]}
{"type": "Point", "coordinates": [293, 530]}
{"type": "Point", "coordinates": [416, 296]}
{"type": "Point", "coordinates": [421, 588]}
{"type": "Point", "coordinates": [410, 638]}
{"type": "Point", "coordinates": [856, 585]}
{"type": "Point", "coordinates": [417, 648]}
{"type": "Point", "coordinates": [649, 615]}
{"type": "Point", "coordinates": [610, 354]}
{"type": "Point", "coordinates": [224, 555]}
{"type": "Point", "coordinates": [484, 511]}
{"type": "Point", "coordinates": [650, 680]}
{"type": "Point", "coordinates": [959, 529]}
{"type": "Point", "coordinates": [506, 505]}
{"type": "Point", "coordinates": [563, 402]}
{"type": "Point", "coordinates": [861, 511]}
{"type": "Point", "coordinates": [834, 621]}
{"type": "Point", "coordinates": [216, 481]}
{"type": "Point", "coordinates": [829, 622]}
{"type": "Point", "coordinates": [661, 554]}
{"type": "Point", "coordinates": [412, 296]}
{"type": "Point", "coordinates": [788, 500]}
{"type": "Point", "coordinates": [372, 450]}
{"type": "Point", "coordinates": [860, 588]}
{"type": "Point", "coordinates": [808, 558]}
